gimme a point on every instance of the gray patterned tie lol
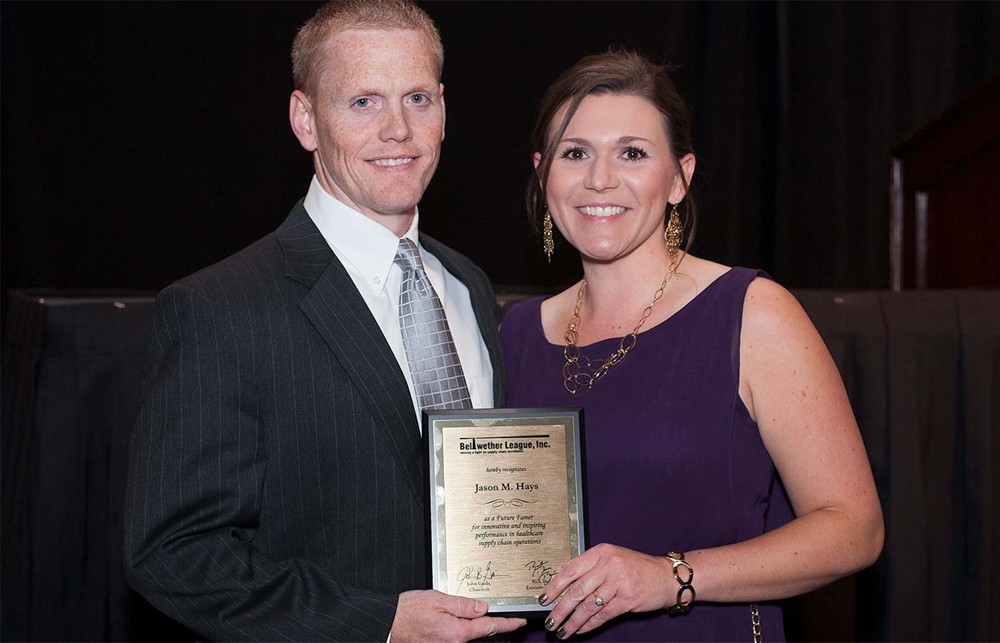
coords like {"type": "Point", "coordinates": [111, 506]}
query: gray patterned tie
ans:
{"type": "Point", "coordinates": [434, 366]}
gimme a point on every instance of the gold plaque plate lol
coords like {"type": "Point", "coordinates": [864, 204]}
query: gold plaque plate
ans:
{"type": "Point", "coordinates": [506, 501]}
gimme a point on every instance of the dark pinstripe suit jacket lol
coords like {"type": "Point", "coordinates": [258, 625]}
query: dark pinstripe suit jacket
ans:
{"type": "Point", "coordinates": [276, 477]}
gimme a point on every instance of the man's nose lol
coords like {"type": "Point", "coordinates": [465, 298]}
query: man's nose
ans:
{"type": "Point", "coordinates": [395, 124]}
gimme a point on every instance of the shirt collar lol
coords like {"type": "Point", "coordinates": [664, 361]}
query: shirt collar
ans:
{"type": "Point", "coordinates": [366, 245]}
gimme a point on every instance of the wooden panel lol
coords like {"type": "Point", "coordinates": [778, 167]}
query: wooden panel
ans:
{"type": "Point", "coordinates": [945, 198]}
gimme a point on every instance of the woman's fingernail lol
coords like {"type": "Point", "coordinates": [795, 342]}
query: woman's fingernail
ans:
{"type": "Point", "coordinates": [542, 598]}
{"type": "Point", "coordinates": [549, 623]}
{"type": "Point", "coordinates": [561, 633]}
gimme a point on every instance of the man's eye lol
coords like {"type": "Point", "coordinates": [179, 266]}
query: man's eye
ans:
{"type": "Point", "coordinates": [418, 98]}
{"type": "Point", "coordinates": [363, 102]}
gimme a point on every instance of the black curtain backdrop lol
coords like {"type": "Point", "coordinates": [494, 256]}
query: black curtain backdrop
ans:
{"type": "Point", "coordinates": [142, 141]}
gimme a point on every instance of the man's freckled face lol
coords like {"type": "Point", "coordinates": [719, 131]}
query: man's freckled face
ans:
{"type": "Point", "coordinates": [379, 120]}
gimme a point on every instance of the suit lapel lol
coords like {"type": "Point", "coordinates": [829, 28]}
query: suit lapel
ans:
{"type": "Point", "coordinates": [340, 315]}
{"type": "Point", "coordinates": [483, 305]}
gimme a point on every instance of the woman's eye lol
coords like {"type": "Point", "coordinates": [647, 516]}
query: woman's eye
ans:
{"type": "Point", "coordinates": [634, 153]}
{"type": "Point", "coordinates": [573, 154]}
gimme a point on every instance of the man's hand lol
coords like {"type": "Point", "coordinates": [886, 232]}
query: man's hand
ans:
{"type": "Point", "coordinates": [428, 615]}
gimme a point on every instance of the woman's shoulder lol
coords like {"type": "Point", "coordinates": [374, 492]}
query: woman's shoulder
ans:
{"type": "Point", "coordinates": [537, 314]}
{"type": "Point", "coordinates": [696, 276]}
{"type": "Point", "coordinates": [768, 302]}
{"type": "Point", "coordinates": [542, 311]}
{"type": "Point", "coordinates": [774, 323]}
{"type": "Point", "coordinates": [700, 273]}
{"type": "Point", "coordinates": [765, 301]}
{"type": "Point", "coordinates": [521, 314]}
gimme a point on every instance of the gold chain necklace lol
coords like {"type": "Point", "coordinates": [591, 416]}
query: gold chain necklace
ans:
{"type": "Point", "coordinates": [575, 374]}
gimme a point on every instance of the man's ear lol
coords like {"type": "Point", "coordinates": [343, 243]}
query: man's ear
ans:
{"type": "Point", "coordinates": [443, 115]}
{"type": "Point", "coordinates": [302, 120]}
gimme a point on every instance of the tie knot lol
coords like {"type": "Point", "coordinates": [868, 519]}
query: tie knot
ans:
{"type": "Point", "coordinates": [407, 256]}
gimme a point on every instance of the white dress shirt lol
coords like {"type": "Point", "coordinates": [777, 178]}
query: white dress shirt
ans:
{"type": "Point", "coordinates": [367, 250]}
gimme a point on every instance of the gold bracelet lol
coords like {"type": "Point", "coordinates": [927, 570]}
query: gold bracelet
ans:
{"type": "Point", "coordinates": [682, 606]}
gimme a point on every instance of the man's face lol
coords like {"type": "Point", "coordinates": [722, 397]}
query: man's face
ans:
{"type": "Point", "coordinates": [376, 122]}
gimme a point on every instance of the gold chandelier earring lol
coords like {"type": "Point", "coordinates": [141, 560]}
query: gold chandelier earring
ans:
{"type": "Point", "coordinates": [674, 233]}
{"type": "Point", "coordinates": [548, 243]}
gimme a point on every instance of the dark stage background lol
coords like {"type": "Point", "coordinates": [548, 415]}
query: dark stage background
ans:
{"type": "Point", "coordinates": [142, 141]}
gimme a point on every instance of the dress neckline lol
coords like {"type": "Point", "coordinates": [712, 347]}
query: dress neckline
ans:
{"type": "Point", "coordinates": [650, 329]}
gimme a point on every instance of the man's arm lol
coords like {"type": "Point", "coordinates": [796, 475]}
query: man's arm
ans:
{"type": "Point", "coordinates": [197, 466]}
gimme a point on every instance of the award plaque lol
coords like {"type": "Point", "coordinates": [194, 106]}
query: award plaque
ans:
{"type": "Point", "coordinates": [506, 502]}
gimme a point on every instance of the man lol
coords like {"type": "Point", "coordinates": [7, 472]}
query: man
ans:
{"type": "Point", "coordinates": [276, 481]}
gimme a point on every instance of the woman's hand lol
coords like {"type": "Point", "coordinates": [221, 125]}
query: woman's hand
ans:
{"type": "Point", "coordinates": [604, 582]}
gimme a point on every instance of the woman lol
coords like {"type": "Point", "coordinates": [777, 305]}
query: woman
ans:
{"type": "Point", "coordinates": [708, 393]}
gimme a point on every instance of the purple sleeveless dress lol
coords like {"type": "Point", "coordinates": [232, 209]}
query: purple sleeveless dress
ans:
{"type": "Point", "coordinates": [673, 459]}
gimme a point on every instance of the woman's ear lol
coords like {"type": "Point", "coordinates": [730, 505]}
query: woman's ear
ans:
{"type": "Point", "coordinates": [679, 190]}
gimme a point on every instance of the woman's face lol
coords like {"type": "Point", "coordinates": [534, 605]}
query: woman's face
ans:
{"type": "Point", "coordinates": [612, 177]}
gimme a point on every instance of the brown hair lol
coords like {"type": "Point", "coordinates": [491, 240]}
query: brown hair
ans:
{"type": "Point", "coordinates": [616, 73]}
{"type": "Point", "coordinates": [308, 59]}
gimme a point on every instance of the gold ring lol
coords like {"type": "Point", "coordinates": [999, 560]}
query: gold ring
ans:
{"type": "Point", "coordinates": [598, 601]}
